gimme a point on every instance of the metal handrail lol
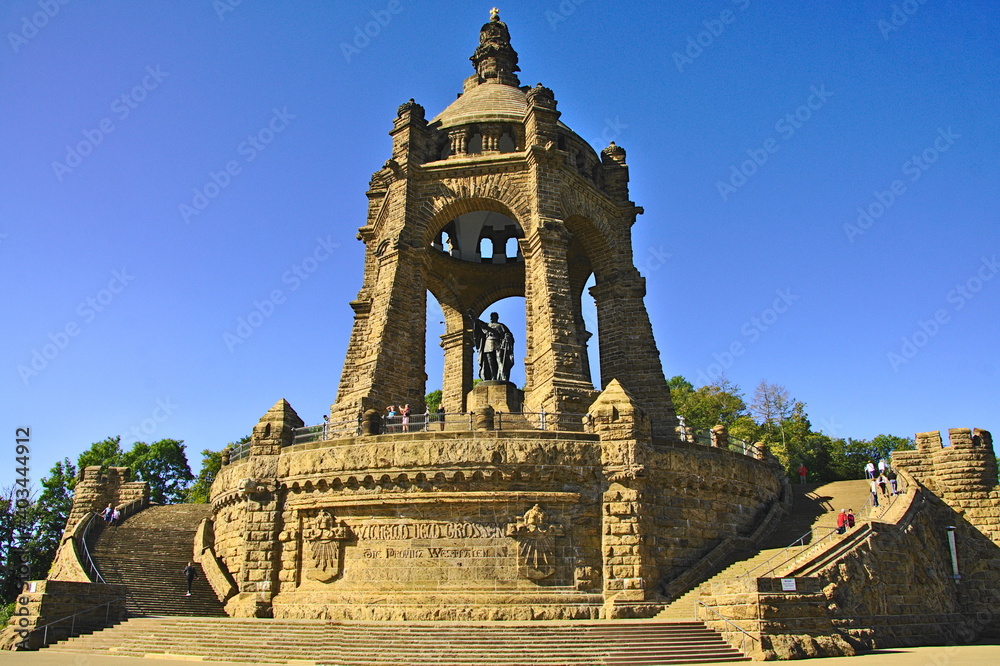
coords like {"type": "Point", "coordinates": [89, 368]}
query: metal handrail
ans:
{"type": "Point", "coordinates": [746, 634]}
{"type": "Point", "coordinates": [426, 422]}
{"type": "Point", "coordinates": [86, 551]}
{"type": "Point", "coordinates": [126, 510]}
{"type": "Point", "coordinates": [704, 438]}
{"type": "Point", "coordinates": [107, 616]}
{"type": "Point", "coordinates": [865, 513]}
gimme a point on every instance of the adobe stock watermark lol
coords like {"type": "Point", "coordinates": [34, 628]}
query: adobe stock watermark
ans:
{"type": "Point", "coordinates": [30, 25]}
{"type": "Point", "coordinates": [164, 410]}
{"type": "Point", "coordinates": [121, 106]}
{"type": "Point", "coordinates": [900, 16]}
{"type": "Point", "coordinates": [561, 11]}
{"type": "Point", "coordinates": [612, 130]}
{"type": "Point", "coordinates": [654, 259]}
{"type": "Point", "coordinates": [752, 330]}
{"type": "Point", "coordinates": [831, 426]}
{"type": "Point", "coordinates": [294, 277]}
{"type": "Point", "coordinates": [87, 311]}
{"type": "Point", "coordinates": [704, 39]}
{"type": "Point", "coordinates": [363, 38]}
{"type": "Point", "coordinates": [786, 127]}
{"type": "Point", "coordinates": [958, 297]}
{"type": "Point", "coordinates": [913, 168]}
{"type": "Point", "coordinates": [248, 149]}
{"type": "Point", "coordinates": [223, 7]}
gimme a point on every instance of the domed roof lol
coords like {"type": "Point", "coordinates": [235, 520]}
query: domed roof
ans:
{"type": "Point", "coordinates": [486, 102]}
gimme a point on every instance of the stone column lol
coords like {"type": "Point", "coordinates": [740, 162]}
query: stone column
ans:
{"type": "Point", "coordinates": [630, 574]}
{"type": "Point", "coordinates": [628, 350]}
{"type": "Point", "coordinates": [457, 368]}
{"type": "Point", "coordinates": [459, 139]}
{"type": "Point", "coordinates": [262, 508]}
{"type": "Point", "coordinates": [558, 381]}
{"type": "Point", "coordinates": [386, 353]}
{"type": "Point", "coordinates": [491, 137]}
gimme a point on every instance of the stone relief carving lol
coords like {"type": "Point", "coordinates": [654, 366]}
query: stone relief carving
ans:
{"type": "Point", "coordinates": [325, 539]}
{"type": "Point", "coordinates": [536, 543]}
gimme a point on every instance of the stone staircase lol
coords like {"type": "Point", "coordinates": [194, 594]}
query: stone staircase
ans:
{"type": "Point", "coordinates": [568, 643]}
{"type": "Point", "coordinates": [148, 552]}
{"type": "Point", "coordinates": [815, 506]}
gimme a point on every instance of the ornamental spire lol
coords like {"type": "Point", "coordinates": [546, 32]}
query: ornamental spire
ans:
{"type": "Point", "coordinates": [494, 57]}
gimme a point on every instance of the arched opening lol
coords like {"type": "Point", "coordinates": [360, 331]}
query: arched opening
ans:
{"type": "Point", "coordinates": [475, 144]}
{"type": "Point", "coordinates": [511, 314]}
{"type": "Point", "coordinates": [511, 311]}
{"type": "Point", "coordinates": [507, 143]}
{"type": "Point", "coordinates": [482, 237]}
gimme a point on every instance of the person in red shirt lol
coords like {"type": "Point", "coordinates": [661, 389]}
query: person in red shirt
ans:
{"type": "Point", "coordinates": [842, 521]}
{"type": "Point", "coordinates": [802, 473]}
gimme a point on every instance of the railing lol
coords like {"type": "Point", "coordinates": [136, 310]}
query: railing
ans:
{"type": "Point", "coordinates": [730, 623]}
{"type": "Point", "coordinates": [94, 574]}
{"type": "Point", "coordinates": [808, 541]}
{"type": "Point", "coordinates": [239, 451]}
{"type": "Point", "coordinates": [705, 438]}
{"type": "Point", "coordinates": [126, 510]}
{"type": "Point", "coordinates": [435, 421]}
{"type": "Point", "coordinates": [72, 630]}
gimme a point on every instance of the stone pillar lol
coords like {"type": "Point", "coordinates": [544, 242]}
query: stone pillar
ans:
{"type": "Point", "coordinates": [628, 350]}
{"type": "Point", "coordinates": [457, 367]}
{"type": "Point", "coordinates": [262, 507]}
{"type": "Point", "coordinates": [630, 574]}
{"type": "Point", "coordinates": [410, 137]}
{"type": "Point", "coordinates": [491, 137]}
{"type": "Point", "coordinates": [556, 379]}
{"type": "Point", "coordinates": [459, 142]}
{"type": "Point", "coordinates": [540, 122]}
{"type": "Point", "coordinates": [385, 363]}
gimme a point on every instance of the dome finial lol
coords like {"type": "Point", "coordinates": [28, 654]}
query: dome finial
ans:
{"type": "Point", "coordinates": [495, 59]}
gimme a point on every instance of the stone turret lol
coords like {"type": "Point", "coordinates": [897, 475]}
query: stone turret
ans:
{"type": "Point", "coordinates": [964, 469]}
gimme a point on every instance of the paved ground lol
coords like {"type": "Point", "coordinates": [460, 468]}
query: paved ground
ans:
{"type": "Point", "coordinates": [966, 655]}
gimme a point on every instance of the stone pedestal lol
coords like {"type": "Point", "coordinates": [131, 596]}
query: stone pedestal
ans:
{"type": "Point", "coordinates": [501, 396]}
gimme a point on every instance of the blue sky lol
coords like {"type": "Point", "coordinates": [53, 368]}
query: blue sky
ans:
{"type": "Point", "coordinates": [820, 184]}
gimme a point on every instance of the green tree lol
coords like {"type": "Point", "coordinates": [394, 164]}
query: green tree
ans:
{"type": "Point", "coordinates": [211, 463]}
{"type": "Point", "coordinates": [51, 514]}
{"type": "Point", "coordinates": [708, 406]}
{"type": "Point", "coordinates": [162, 464]}
{"type": "Point", "coordinates": [104, 454]}
{"type": "Point", "coordinates": [433, 400]}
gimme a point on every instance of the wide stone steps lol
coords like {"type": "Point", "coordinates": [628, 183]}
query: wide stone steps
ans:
{"type": "Point", "coordinates": [814, 506]}
{"type": "Point", "coordinates": [148, 552]}
{"type": "Point", "coordinates": [620, 642]}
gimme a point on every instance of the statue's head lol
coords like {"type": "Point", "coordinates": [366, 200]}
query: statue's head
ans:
{"type": "Point", "coordinates": [494, 317]}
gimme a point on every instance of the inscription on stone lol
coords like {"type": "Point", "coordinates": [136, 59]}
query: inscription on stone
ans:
{"type": "Point", "coordinates": [428, 530]}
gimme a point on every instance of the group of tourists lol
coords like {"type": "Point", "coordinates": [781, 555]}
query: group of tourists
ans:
{"type": "Point", "coordinates": [845, 520]}
{"type": "Point", "coordinates": [399, 420]}
{"type": "Point", "coordinates": [881, 480]}
{"type": "Point", "coordinates": [111, 515]}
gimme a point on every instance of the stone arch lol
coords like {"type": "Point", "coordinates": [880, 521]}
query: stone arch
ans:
{"type": "Point", "coordinates": [446, 208]}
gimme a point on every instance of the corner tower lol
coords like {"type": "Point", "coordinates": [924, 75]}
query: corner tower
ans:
{"type": "Point", "coordinates": [497, 165]}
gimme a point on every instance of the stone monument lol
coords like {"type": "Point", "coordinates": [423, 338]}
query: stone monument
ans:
{"type": "Point", "coordinates": [555, 501]}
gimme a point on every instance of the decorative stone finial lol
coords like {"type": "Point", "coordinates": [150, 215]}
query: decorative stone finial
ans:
{"type": "Point", "coordinates": [494, 57]}
{"type": "Point", "coordinates": [411, 107]}
{"type": "Point", "coordinates": [541, 96]}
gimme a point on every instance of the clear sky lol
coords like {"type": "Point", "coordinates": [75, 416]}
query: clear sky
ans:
{"type": "Point", "coordinates": [820, 183]}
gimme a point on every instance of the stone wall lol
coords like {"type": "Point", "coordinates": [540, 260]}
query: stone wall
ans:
{"type": "Point", "coordinates": [890, 585]}
{"type": "Point", "coordinates": [477, 525]}
{"type": "Point", "coordinates": [93, 492]}
{"type": "Point", "coordinates": [47, 601]}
